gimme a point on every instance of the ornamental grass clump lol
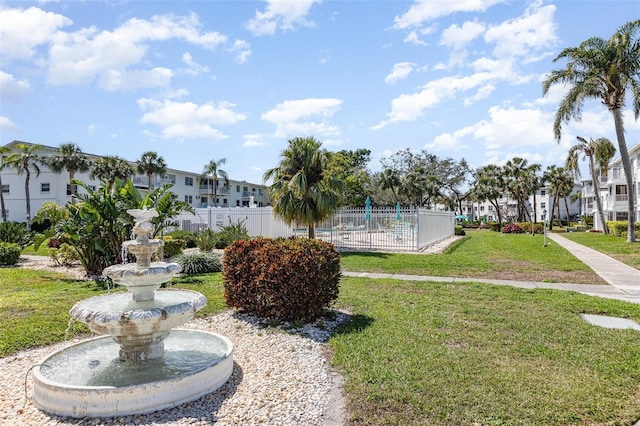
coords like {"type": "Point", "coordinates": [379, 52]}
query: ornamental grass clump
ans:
{"type": "Point", "coordinates": [203, 262]}
{"type": "Point", "coordinates": [284, 279]}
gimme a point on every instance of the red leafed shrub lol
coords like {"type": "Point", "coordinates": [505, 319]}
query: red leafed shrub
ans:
{"type": "Point", "coordinates": [512, 228]}
{"type": "Point", "coordinates": [284, 279]}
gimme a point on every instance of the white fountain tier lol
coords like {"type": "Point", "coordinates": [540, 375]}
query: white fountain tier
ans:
{"type": "Point", "coordinates": [144, 364]}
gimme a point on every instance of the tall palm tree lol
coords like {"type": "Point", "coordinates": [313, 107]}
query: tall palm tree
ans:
{"type": "Point", "coordinates": [390, 179]}
{"type": "Point", "coordinates": [110, 168]}
{"type": "Point", "coordinates": [70, 158]}
{"type": "Point", "coordinates": [521, 181]}
{"type": "Point", "coordinates": [3, 150]}
{"type": "Point", "coordinates": [23, 161]}
{"type": "Point", "coordinates": [599, 152]}
{"type": "Point", "coordinates": [561, 185]}
{"type": "Point", "coordinates": [603, 70]}
{"type": "Point", "coordinates": [212, 172]}
{"type": "Point", "coordinates": [301, 191]}
{"type": "Point", "coordinates": [489, 185]}
{"type": "Point", "coordinates": [150, 163]}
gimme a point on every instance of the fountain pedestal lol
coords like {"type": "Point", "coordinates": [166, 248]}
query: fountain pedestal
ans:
{"type": "Point", "coordinates": [145, 365]}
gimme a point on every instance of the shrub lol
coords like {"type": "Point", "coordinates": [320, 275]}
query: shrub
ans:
{"type": "Point", "coordinates": [512, 228]}
{"type": "Point", "coordinates": [494, 226]}
{"type": "Point", "coordinates": [285, 279]}
{"type": "Point", "coordinates": [64, 255]}
{"type": "Point", "coordinates": [207, 240]}
{"type": "Point", "coordinates": [618, 228]}
{"type": "Point", "coordinates": [203, 262]}
{"type": "Point", "coordinates": [173, 246]}
{"type": "Point", "coordinates": [54, 242]}
{"type": "Point", "coordinates": [458, 230]}
{"type": "Point", "coordinates": [187, 236]}
{"type": "Point", "coordinates": [17, 233]}
{"type": "Point", "coordinates": [231, 233]}
{"type": "Point", "coordinates": [9, 253]}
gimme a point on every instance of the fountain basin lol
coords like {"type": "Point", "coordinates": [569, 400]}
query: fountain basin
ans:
{"type": "Point", "coordinates": [89, 380]}
{"type": "Point", "coordinates": [142, 281]}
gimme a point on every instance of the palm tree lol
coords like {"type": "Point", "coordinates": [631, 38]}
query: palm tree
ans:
{"type": "Point", "coordinates": [521, 182]}
{"type": "Point", "coordinates": [389, 179]}
{"type": "Point", "coordinates": [599, 152]}
{"type": "Point", "coordinates": [110, 168]}
{"type": "Point", "coordinates": [3, 150]}
{"type": "Point", "coordinates": [151, 163]}
{"type": "Point", "coordinates": [70, 158]}
{"type": "Point", "coordinates": [489, 185]}
{"type": "Point", "coordinates": [561, 185]}
{"type": "Point", "coordinates": [301, 191]}
{"type": "Point", "coordinates": [23, 161]}
{"type": "Point", "coordinates": [603, 70]}
{"type": "Point", "coordinates": [212, 172]}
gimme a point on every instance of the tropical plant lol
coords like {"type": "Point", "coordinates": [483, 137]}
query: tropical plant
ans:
{"type": "Point", "coordinates": [3, 150]}
{"type": "Point", "coordinates": [211, 174]}
{"type": "Point", "coordinates": [599, 152]}
{"type": "Point", "coordinates": [489, 186]}
{"type": "Point", "coordinates": [561, 185]}
{"type": "Point", "coordinates": [301, 191]}
{"type": "Point", "coordinates": [149, 164]}
{"type": "Point", "coordinates": [69, 158]}
{"type": "Point", "coordinates": [25, 159]}
{"type": "Point", "coordinates": [603, 70]}
{"type": "Point", "coordinates": [203, 262]}
{"type": "Point", "coordinates": [520, 182]}
{"type": "Point", "coordinates": [15, 232]}
{"type": "Point", "coordinates": [110, 168]}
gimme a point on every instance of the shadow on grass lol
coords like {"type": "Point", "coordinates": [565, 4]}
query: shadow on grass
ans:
{"type": "Point", "coordinates": [376, 254]}
{"type": "Point", "coordinates": [354, 324]}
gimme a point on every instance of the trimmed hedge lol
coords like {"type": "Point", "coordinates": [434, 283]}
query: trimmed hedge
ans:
{"type": "Point", "coordinates": [619, 228]}
{"type": "Point", "coordinates": [9, 253]}
{"type": "Point", "coordinates": [293, 279]}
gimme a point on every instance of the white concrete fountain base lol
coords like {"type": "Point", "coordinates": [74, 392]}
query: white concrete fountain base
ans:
{"type": "Point", "coordinates": [83, 380]}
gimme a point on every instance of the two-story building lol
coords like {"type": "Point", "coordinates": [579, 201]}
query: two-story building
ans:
{"type": "Point", "coordinates": [189, 186]}
{"type": "Point", "coordinates": [614, 191]}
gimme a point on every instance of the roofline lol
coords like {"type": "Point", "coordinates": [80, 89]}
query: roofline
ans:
{"type": "Point", "coordinates": [17, 142]}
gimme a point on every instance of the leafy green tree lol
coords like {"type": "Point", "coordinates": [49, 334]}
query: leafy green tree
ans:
{"type": "Point", "coordinates": [149, 164]}
{"type": "Point", "coordinates": [301, 191]}
{"type": "Point", "coordinates": [349, 167]}
{"type": "Point", "coordinates": [520, 183]}
{"type": "Point", "coordinates": [599, 152]}
{"type": "Point", "coordinates": [605, 70]}
{"type": "Point", "coordinates": [212, 173]}
{"type": "Point", "coordinates": [25, 159]}
{"type": "Point", "coordinates": [390, 179]}
{"type": "Point", "coordinates": [489, 186]}
{"type": "Point", "coordinates": [3, 150]}
{"type": "Point", "coordinates": [561, 185]}
{"type": "Point", "coordinates": [69, 158]}
{"type": "Point", "coordinates": [109, 168]}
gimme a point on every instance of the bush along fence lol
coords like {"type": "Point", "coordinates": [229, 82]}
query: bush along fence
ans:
{"type": "Point", "coordinates": [385, 228]}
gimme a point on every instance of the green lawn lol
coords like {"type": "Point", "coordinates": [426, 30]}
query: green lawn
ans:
{"type": "Point", "coordinates": [616, 247]}
{"type": "Point", "coordinates": [471, 354]}
{"type": "Point", "coordinates": [483, 254]}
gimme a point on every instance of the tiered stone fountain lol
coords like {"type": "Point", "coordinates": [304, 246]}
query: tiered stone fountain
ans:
{"type": "Point", "coordinates": [143, 365]}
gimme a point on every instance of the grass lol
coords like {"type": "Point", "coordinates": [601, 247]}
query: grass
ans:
{"type": "Point", "coordinates": [43, 250]}
{"type": "Point", "coordinates": [34, 305]}
{"type": "Point", "coordinates": [474, 354]}
{"type": "Point", "coordinates": [483, 254]}
{"type": "Point", "coordinates": [616, 247]}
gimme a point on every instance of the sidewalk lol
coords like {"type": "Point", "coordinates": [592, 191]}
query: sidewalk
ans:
{"type": "Point", "coordinates": [624, 280]}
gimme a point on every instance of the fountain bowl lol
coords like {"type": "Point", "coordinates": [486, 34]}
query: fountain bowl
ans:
{"type": "Point", "coordinates": [84, 380]}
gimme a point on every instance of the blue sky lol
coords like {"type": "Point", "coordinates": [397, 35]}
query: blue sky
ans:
{"type": "Point", "coordinates": [202, 80]}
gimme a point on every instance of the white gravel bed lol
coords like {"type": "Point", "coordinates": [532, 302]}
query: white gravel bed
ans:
{"type": "Point", "coordinates": [280, 377]}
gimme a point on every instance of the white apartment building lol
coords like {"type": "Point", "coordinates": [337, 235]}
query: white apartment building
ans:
{"type": "Point", "coordinates": [50, 186]}
{"type": "Point", "coordinates": [614, 192]}
{"type": "Point", "coordinates": [542, 201]}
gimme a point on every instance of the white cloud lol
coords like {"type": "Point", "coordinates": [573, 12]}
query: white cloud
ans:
{"type": "Point", "coordinates": [283, 15]}
{"type": "Point", "coordinates": [400, 71]}
{"type": "Point", "coordinates": [7, 125]}
{"type": "Point", "coordinates": [108, 57]}
{"type": "Point", "coordinates": [12, 90]}
{"type": "Point", "coordinates": [242, 49]}
{"type": "Point", "coordinates": [23, 30]}
{"type": "Point", "coordinates": [193, 68]}
{"type": "Point", "coordinates": [254, 140]}
{"type": "Point", "coordinates": [426, 10]}
{"type": "Point", "coordinates": [297, 117]}
{"type": "Point", "coordinates": [182, 120]}
{"type": "Point", "coordinates": [456, 37]}
{"type": "Point", "coordinates": [524, 35]}
{"type": "Point", "coordinates": [482, 93]}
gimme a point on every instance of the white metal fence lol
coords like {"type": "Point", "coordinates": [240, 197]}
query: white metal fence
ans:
{"type": "Point", "coordinates": [391, 229]}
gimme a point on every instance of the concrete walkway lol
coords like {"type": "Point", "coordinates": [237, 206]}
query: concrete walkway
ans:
{"type": "Point", "coordinates": [624, 280]}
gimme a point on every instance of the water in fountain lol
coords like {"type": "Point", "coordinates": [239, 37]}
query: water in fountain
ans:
{"type": "Point", "coordinates": [145, 364]}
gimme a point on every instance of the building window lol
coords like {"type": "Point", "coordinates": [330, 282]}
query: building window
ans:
{"type": "Point", "coordinates": [543, 192]}
{"type": "Point", "coordinates": [5, 189]}
{"type": "Point", "coordinates": [68, 189]}
{"type": "Point", "coordinates": [188, 198]}
{"type": "Point", "coordinates": [170, 178]}
{"type": "Point", "coordinates": [245, 189]}
{"type": "Point", "coordinates": [188, 181]}
{"type": "Point", "coordinates": [260, 191]}
{"type": "Point", "coordinates": [481, 208]}
{"type": "Point", "coordinates": [237, 188]}
{"type": "Point", "coordinates": [237, 203]}
{"type": "Point", "coordinates": [490, 208]}
{"type": "Point", "coordinates": [225, 201]}
{"type": "Point", "coordinates": [543, 205]}
{"type": "Point", "coordinates": [45, 187]}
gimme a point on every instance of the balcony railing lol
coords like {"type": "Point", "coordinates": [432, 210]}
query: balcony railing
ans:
{"type": "Point", "coordinates": [209, 190]}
